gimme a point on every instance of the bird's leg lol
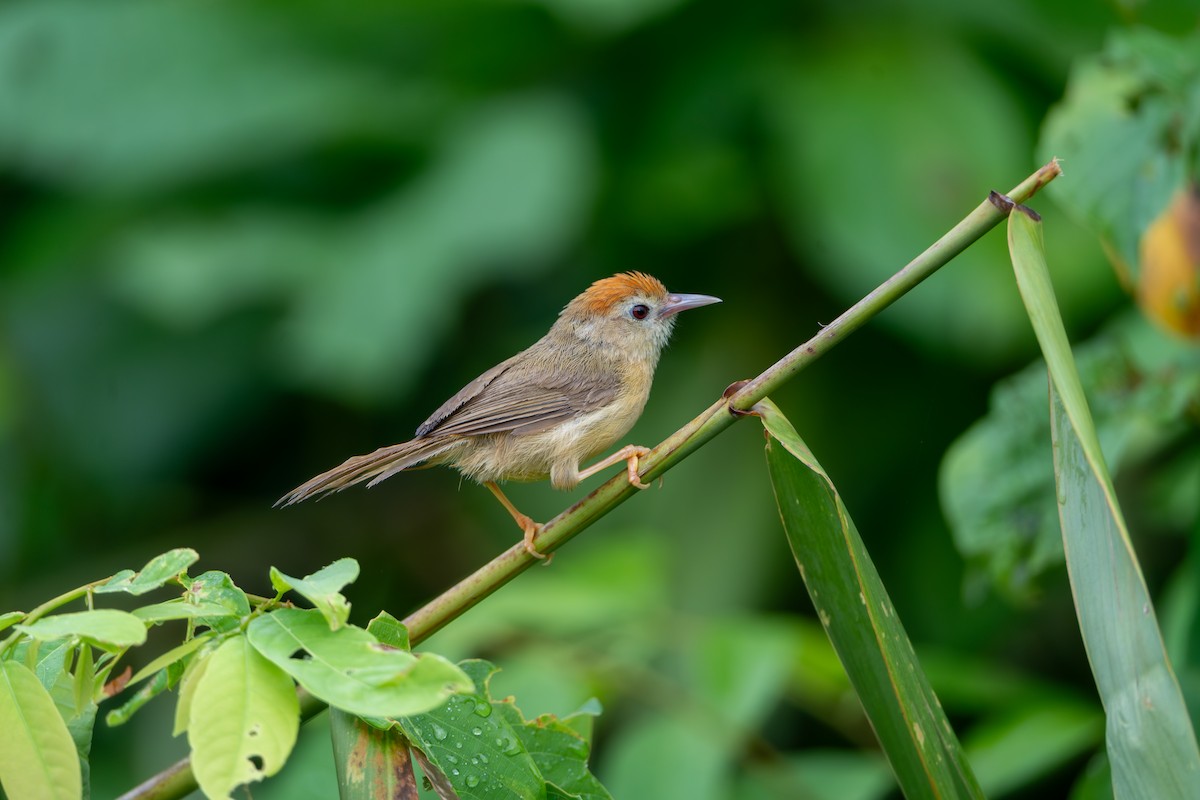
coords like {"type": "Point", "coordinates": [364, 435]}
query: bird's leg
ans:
{"type": "Point", "coordinates": [630, 454]}
{"type": "Point", "coordinates": [525, 522]}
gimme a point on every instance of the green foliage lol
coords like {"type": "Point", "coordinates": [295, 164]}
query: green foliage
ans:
{"type": "Point", "coordinates": [861, 621]}
{"type": "Point", "coordinates": [996, 481]}
{"type": "Point", "coordinates": [349, 668]}
{"type": "Point", "coordinates": [237, 677]}
{"type": "Point", "coordinates": [243, 241]}
{"type": "Point", "coordinates": [242, 718]}
{"type": "Point", "coordinates": [484, 748]}
{"type": "Point", "coordinates": [322, 589]}
{"type": "Point", "coordinates": [37, 754]}
{"type": "Point", "coordinates": [1151, 744]}
{"type": "Point", "coordinates": [1129, 126]}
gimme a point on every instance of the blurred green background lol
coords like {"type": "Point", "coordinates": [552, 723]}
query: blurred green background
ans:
{"type": "Point", "coordinates": [240, 242]}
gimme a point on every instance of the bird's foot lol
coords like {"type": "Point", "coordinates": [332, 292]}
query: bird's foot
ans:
{"type": "Point", "coordinates": [633, 453]}
{"type": "Point", "coordinates": [531, 530]}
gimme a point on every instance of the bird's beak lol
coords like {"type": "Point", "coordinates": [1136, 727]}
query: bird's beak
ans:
{"type": "Point", "coordinates": [682, 302]}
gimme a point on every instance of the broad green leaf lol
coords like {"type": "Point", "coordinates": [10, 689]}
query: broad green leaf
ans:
{"type": "Point", "coordinates": [322, 588]}
{"type": "Point", "coordinates": [1150, 741]}
{"type": "Point", "coordinates": [10, 618]}
{"type": "Point", "coordinates": [476, 750]}
{"type": "Point", "coordinates": [80, 716]}
{"type": "Point", "coordinates": [389, 630]}
{"type": "Point", "coordinates": [157, 572]}
{"type": "Point", "coordinates": [243, 719]}
{"type": "Point", "coordinates": [182, 608]}
{"type": "Point", "coordinates": [560, 752]}
{"type": "Point", "coordinates": [996, 481]}
{"type": "Point", "coordinates": [48, 660]}
{"type": "Point", "coordinates": [860, 620]}
{"type": "Point", "coordinates": [37, 754]}
{"type": "Point", "coordinates": [371, 763]}
{"type": "Point", "coordinates": [1127, 129]}
{"type": "Point", "coordinates": [217, 587]}
{"type": "Point", "coordinates": [104, 627]}
{"type": "Point", "coordinates": [350, 669]}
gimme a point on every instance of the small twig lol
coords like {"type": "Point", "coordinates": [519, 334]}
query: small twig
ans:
{"type": "Point", "coordinates": [456, 600]}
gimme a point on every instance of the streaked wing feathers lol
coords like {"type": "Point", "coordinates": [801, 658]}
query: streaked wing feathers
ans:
{"type": "Point", "coordinates": [502, 400]}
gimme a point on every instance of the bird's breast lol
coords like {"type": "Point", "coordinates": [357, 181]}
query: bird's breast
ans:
{"type": "Point", "coordinates": [557, 451]}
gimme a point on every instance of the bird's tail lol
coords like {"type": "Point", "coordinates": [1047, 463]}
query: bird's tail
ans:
{"type": "Point", "coordinates": [374, 467]}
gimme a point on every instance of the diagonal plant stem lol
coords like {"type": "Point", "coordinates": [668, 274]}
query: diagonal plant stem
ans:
{"type": "Point", "coordinates": [434, 615]}
{"type": "Point", "coordinates": [177, 780]}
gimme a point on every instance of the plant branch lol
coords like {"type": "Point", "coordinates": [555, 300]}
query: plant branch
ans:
{"type": "Point", "coordinates": [464, 595]}
{"type": "Point", "coordinates": [459, 598]}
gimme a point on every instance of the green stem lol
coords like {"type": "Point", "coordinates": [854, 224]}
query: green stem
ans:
{"type": "Point", "coordinates": [177, 781]}
{"type": "Point", "coordinates": [50, 605]}
{"type": "Point", "coordinates": [433, 616]}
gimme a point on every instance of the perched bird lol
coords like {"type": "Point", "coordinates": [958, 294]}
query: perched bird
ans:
{"type": "Point", "coordinates": [539, 414]}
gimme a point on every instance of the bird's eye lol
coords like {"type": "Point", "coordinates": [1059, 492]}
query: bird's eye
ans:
{"type": "Point", "coordinates": [639, 311]}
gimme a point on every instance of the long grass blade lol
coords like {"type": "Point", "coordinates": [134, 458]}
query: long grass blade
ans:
{"type": "Point", "coordinates": [861, 623]}
{"type": "Point", "coordinates": [1149, 735]}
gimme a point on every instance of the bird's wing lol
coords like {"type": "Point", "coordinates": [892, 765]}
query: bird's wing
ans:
{"type": "Point", "coordinates": [511, 401]}
{"type": "Point", "coordinates": [462, 397]}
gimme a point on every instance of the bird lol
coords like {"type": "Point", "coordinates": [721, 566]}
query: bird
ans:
{"type": "Point", "coordinates": [543, 412]}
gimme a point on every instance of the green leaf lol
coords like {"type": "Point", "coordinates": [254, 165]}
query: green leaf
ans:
{"type": "Point", "coordinates": [37, 754]}
{"type": "Point", "coordinates": [560, 752]}
{"type": "Point", "coordinates": [243, 719]}
{"type": "Point", "coordinates": [10, 618]}
{"type": "Point", "coordinates": [187, 689]}
{"type": "Point", "coordinates": [389, 630]}
{"type": "Point", "coordinates": [1150, 740]}
{"type": "Point", "coordinates": [1127, 129]}
{"type": "Point", "coordinates": [371, 763]}
{"type": "Point", "coordinates": [104, 627]}
{"type": "Point", "coordinates": [350, 669]}
{"type": "Point", "coordinates": [582, 720]}
{"type": "Point", "coordinates": [79, 713]}
{"type": "Point", "coordinates": [176, 653]}
{"type": "Point", "coordinates": [182, 608]}
{"type": "Point", "coordinates": [477, 751]}
{"type": "Point", "coordinates": [861, 622]}
{"type": "Point", "coordinates": [48, 660]}
{"type": "Point", "coordinates": [158, 571]}
{"type": "Point", "coordinates": [322, 588]}
{"type": "Point", "coordinates": [85, 677]}
{"type": "Point", "coordinates": [996, 481]}
{"type": "Point", "coordinates": [217, 587]}
{"type": "Point", "coordinates": [124, 712]}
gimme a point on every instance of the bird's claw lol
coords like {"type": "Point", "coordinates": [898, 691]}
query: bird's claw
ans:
{"type": "Point", "coordinates": [531, 530]}
{"type": "Point", "coordinates": [631, 467]}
